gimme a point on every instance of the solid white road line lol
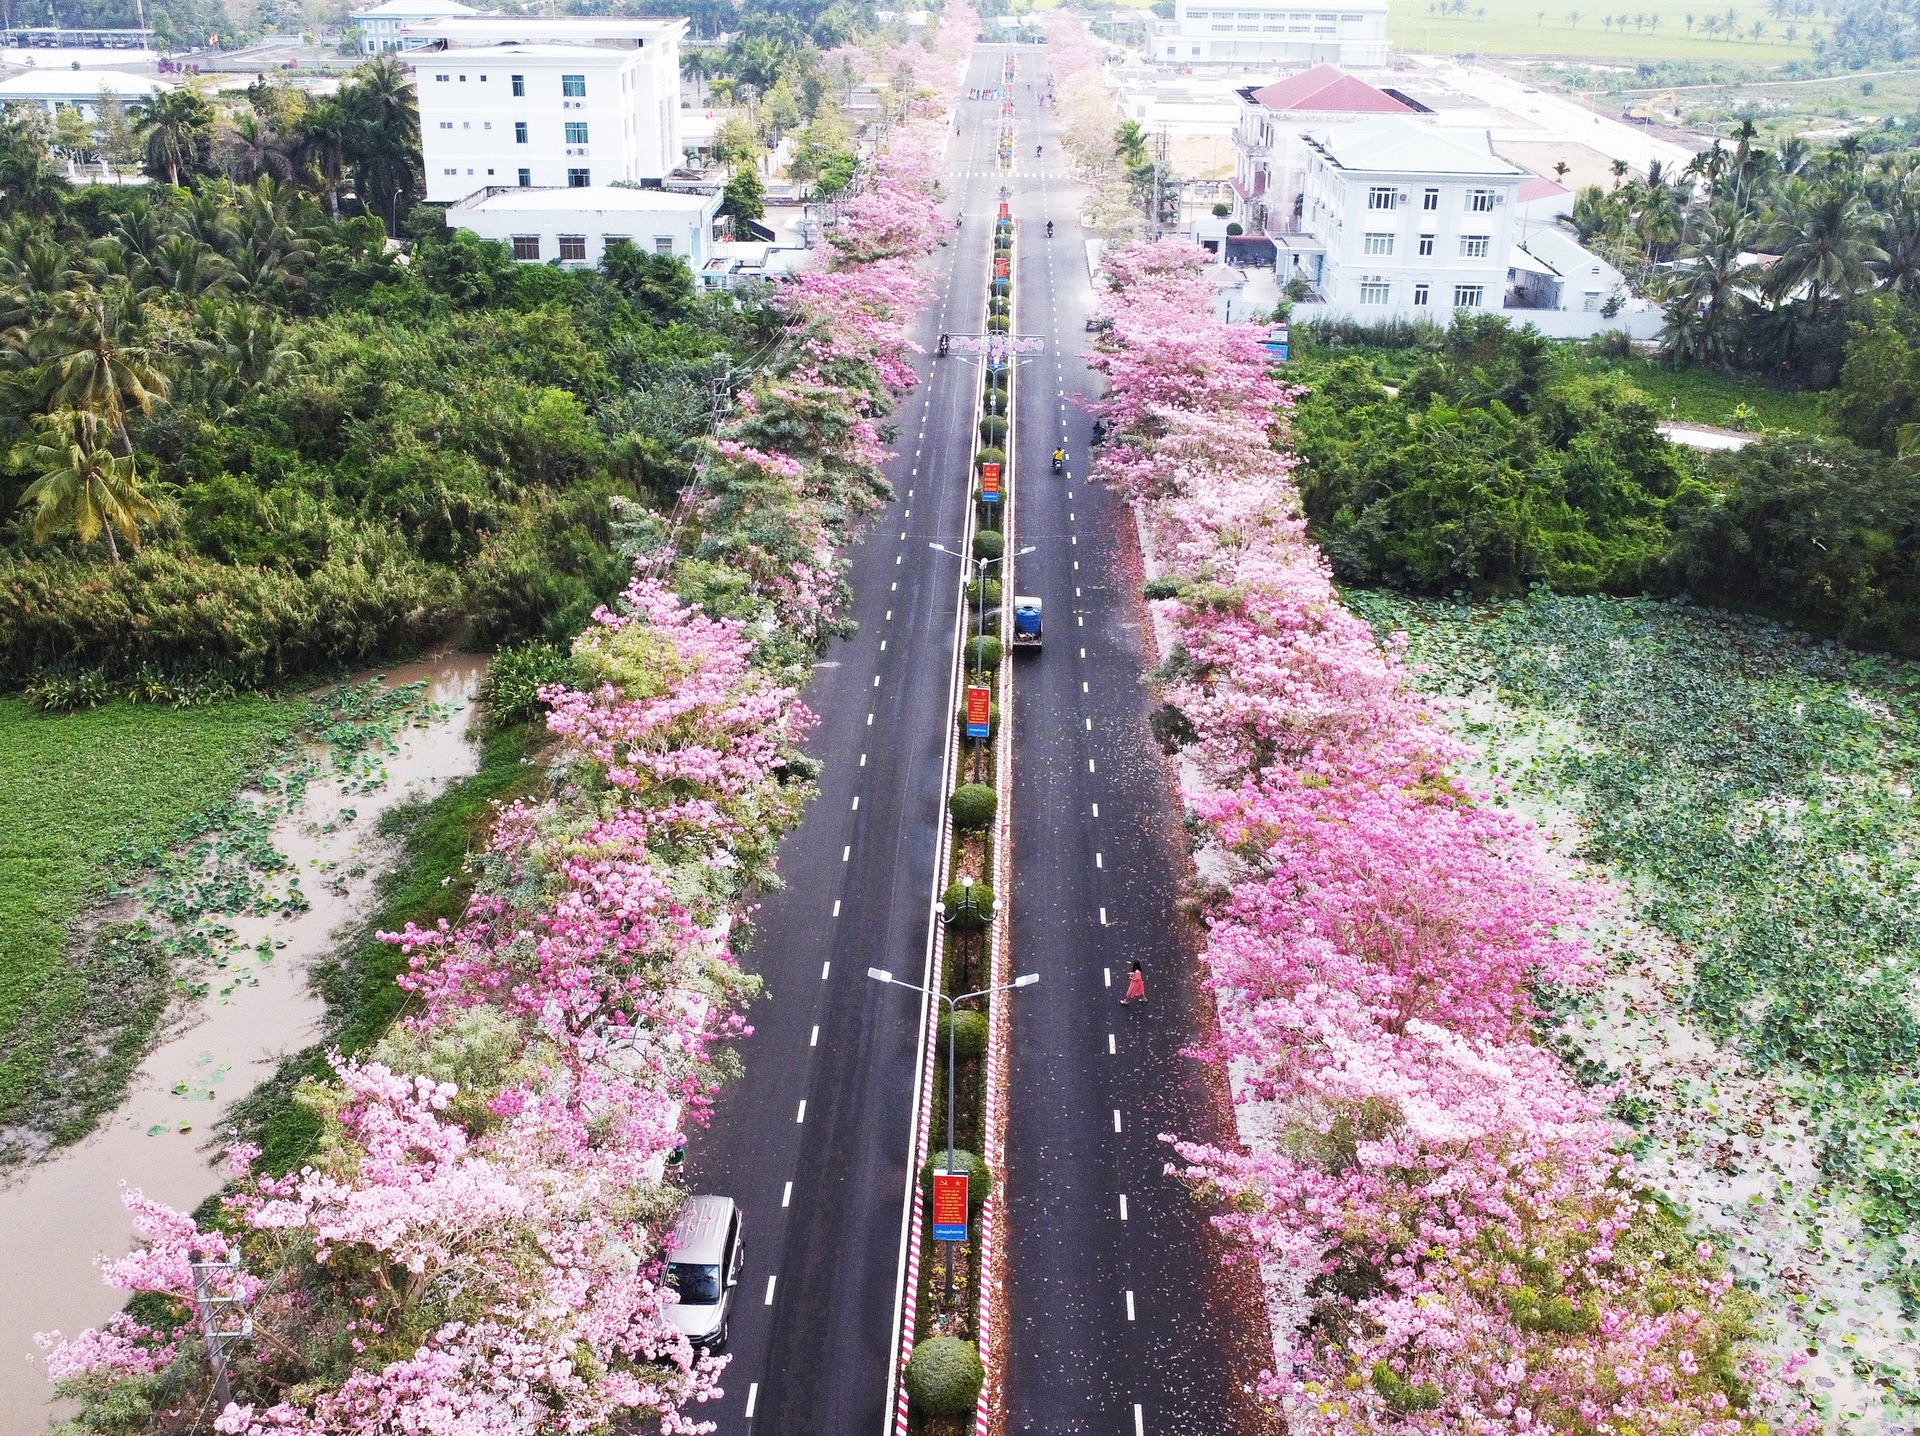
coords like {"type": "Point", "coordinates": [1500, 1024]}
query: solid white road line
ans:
{"type": "Point", "coordinates": [771, 1279]}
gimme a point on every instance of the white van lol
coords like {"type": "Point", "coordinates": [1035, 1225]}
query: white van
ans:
{"type": "Point", "coordinates": [704, 1256]}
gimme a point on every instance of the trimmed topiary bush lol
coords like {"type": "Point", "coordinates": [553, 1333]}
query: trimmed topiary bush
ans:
{"type": "Point", "coordinates": [968, 906]}
{"type": "Point", "coordinates": [994, 401]}
{"type": "Point", "coordinates": [990, 455]}
{"type": "Point", "coordinates": [969, 1031]}
{"type": "Point", "coordinates": [989, 596]}
{"type": "Point", "coordinates": [979, 1175]}
{"type": "Point", "coordinates": [993, 430]}
{"type": "Point", "coordinates": [1165, 586]}
{"type": "Point", "coordinates": [983, 654]}
{"type": "Point", "coordinates": [998, 323]}
{"type": "Point", "coordinates": [987, 543]}
{"type": "Point", "coordinates": [973, 804]}
{"type": "Point", "coordinates": [993, 717]}
{"type": "Point", "coordinates": [944, 1376]}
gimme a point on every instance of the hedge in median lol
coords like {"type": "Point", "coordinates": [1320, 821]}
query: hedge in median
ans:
{"type": "Point", "coordinates": [983, 655]}
{"type": "Point", "coordinates": [988, 543]}
{"type": "Point", "coordinates": [974, 1167]}
{"type": "Point", "coordinates": [973, 806]}
{"type": "Point", "coordinates": [968, 905]}
{"type": "Point", "coordinates": [970, 1031]}
{"type": "Point", "coordinates": [944, 1375]}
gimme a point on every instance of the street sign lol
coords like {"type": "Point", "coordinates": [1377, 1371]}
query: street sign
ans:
{"type": "Point", "coordinates": [989, 483]}
{"type": "Point", "coordinates": [979, 712]}
{"type": "Point", "coordinates": [949, 1208]}
{"type": "Point", "coordinates": [1276, 342]}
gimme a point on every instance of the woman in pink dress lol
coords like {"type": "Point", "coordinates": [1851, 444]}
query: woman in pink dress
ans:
{"type": "Point", "coordinates": [1136, 986]}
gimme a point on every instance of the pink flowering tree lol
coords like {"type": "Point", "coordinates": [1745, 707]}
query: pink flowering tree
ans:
{"type": "Point", "coordinates": [1469, 1246]}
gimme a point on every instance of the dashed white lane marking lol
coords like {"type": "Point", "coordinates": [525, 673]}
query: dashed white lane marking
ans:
{"type": "Point", "coordinates": [827, 966]}
{"type": "Point", "coordinates": [801, 1115]}
{"type": "Point", "coordinates": [786, 1197]}
{"type": "Point", "coordinates": [771, 1279]}
{"type": "Point", "coordinates": [836, 913]}
{"type": "Point", "coordinates": [1097, 862]}
{"type": "Point", "coordinates": [814, 1041]}
{"type": "Point", "coordinates": [1123, 1206]}
{"type": "Point", "coordinates": [1096, 810]}
{"type": "Point", "coordinates": [1103, 917]}
{"type": "Point", "coordinates": [1129, 1306]}
{"type": "Point", "coordinates": [1089, 765]}
{"type": "Point", "coordinates": [1116, 1116]}
{"type": "Point", "coordinates": [876, 680]}
{"type": "Point", "coordinates": [1109, 973]}
{"type": "Point", "coordinates": [898, 558]}
{"type": "Point", "coordinates": [896, 582]}
{"type": "Point", "coordinates": [863, 756]}
{"type": "Point", "coordinates": [1112, 1051]}
{"type": "Point", "coordinates": [753, 1398]}
{"type": "Point", "coordinates": [1089, 725]}
{"type": "Point", "coordinates": [846, 852]}
{"type": "Point", "coordinates": [883, 645]}
{"type": "Point", "coordinates": [856, 805]}
{"type": "Point", "coordinates": [1139, 1421]}
{"type": "Point", "coordinates": [889, 617]}
{"type": "Point", "coordinates": [1083, 654]}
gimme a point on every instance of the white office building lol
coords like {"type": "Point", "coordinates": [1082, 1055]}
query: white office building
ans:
{"type": "Point", "coordinates": [575, 226]}
{"type": "Point", "coordinates": [1272, 31]}
{"type": "Point", "coordinates": [382, 28]}
{"type": "Point", "coordinates": [546, 103]}
{"type": "Point", "coordinates": [55, 90]}
{"type": "Point", "coordinates": [1270, 150]}
{"type": "Point", "coordinates": [1405, 219]}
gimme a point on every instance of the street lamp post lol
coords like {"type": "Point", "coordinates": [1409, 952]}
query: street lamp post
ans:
{"type": "Point", "coordinates": [880, 974]}
{"type": "Point", "coordinates": [980, 578]}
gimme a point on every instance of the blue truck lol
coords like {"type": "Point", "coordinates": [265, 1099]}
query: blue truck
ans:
{"type": "Point", "coordinates": [1026, 622]}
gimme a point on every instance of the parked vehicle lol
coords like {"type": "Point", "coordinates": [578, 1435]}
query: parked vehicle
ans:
{"type": "Point", "coordinates": [704, 1257]}
{"type": "Point", "coordinates": [1026, 622]}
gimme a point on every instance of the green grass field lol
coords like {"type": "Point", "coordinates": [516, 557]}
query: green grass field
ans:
{"type": "Point", "coordinates": [82, 798]}
{"type": "Point", "coordinates": [1548, 27]}
{"type": "Point", "coordinates": [1699, 396]}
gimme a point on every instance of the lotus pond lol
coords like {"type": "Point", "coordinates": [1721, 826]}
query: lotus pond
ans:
{"type": "Point", "coordinates": [1746, 795]}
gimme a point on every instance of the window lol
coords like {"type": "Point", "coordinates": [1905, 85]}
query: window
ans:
{"type": "Point", "coordinates": [519, 132]}
{"type": "Point", "coordinates": [576, 132]}
{"type": "Point", "coordinates": [466, 124]}
{"type": "Point", "coordinates": [449, 172]}
{"type": "Point", "coordinates": [1382, 197]}
{"type": "Point", "coordinates": [1468, 296]}
{"type": "Point", "coordinates": [1430, 199]}
{"type": "Point", "coordinates": [1377, 244]}
{"type": "Point", "coordinates": [579, 179]}
{"type": "Point", "coordinates": [608, 241]}
{"type": "Point", "coordinates": [1374, 293]}
{"type": "Point", "coordinates": [526, 246]}
{"type": "Point", "coordinates": [440, 79]}
{"type": "Point", "coordinates": [573, 86]}
{"type": "Point", "coordinates": [463, 79]}
{"type": "Point", "coordinates": [519, 84]}
{"type": "Point", "coordinates": [663, 244]}
{"type": "Point", "coordinates": [1420, 295]}
{"type": "Point", "coordinates": [573, 246]}
{"type": "Point", "coordinates": [526, 179]}
{"type": "Point", "coordinates": [1593, 300]}
{"type": "Point", "coordinates": [446, 124]}
{"type": "Point", "coordinates": [1474, 246]}
{"type": "Point", "coordinates": [1426, 244]}
{"type": "Point", "coordinates": [1480, 201]}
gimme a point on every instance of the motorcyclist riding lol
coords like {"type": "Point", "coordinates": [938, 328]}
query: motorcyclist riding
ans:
{"type": "Point", "coordinates": [1037, 149]}
{"type": "Point", "coordinates": [1049, 229]}
{"type": "Point", "coordinates": [1059, 459]}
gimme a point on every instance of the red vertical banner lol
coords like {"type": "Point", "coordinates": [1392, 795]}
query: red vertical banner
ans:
{"type": "Point", "coordinates": [949, 1208]}
{"type": "Point", "coordinates": [979, 712]}
{"type": "Point", "coordinates": [990, 483]}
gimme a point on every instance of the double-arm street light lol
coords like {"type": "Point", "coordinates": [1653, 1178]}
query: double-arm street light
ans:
{"type": "Point", "coordinates": [880, 974]}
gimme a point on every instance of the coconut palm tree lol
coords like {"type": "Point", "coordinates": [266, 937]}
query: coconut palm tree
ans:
{"type": "Point", "coordinates": [383, 136]}
{"type": "Point", "coordinates": [325, 136]}
{"type": "Point", "coordinates": [1825, 248]}
{"type": "Point", "coordinates": [1707, 292]}
{"type": "Point", "coordinates": [80, 483]}
{"type": "Point", "coordinates": [250, 150]}
{"type": "Point", "coordinates": [88, 356]}
{"type": "Point", "coordinates": [176, 129]}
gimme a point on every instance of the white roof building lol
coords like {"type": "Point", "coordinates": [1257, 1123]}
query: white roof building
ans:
{"type": "Point", "coordinates": [503, 102]}
{"type": "Point", "coordinates": [1587, 281]}
{"type": "Point", "coordinates": [52, 89]}
{"type": "Point", "coordinates": [1202, 32]}
{"type": "Point", "coordinates": [381, 27]}
{"type": "Point", "coordinates": [1408, 220]}
{"type": "Point", "coordinates": [575, 226]}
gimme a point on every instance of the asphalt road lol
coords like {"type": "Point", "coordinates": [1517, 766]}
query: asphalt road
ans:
{"type": "Point", "coordinates": [1123, 1320]}
{"type": "Point", "coordinates": [822, 1185]}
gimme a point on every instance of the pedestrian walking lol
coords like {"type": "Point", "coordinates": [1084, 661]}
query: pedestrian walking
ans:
{"type": "Point", "coordinates": [1136, 985]}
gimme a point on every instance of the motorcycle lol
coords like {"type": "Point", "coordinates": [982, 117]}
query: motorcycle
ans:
{"type": "Point", "coordinates": [944, 340]}
{"type": "Point", "coordinates": [1049, 229]}
{"type": "Point", "coordinates": [1059, 460]}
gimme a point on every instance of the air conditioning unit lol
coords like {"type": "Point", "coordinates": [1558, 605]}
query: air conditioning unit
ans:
{"type": "Point", "coordinates": [1500, 198]}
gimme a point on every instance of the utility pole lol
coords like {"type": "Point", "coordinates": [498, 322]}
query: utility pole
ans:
{"type": "Point", "coordinates": [216, 1313]}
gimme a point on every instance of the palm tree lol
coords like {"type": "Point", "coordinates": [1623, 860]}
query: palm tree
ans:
{"type": "Point", "coordinates": [87, 356]}
{"type": "Point", "coordinates": [1705, 297]}
{"type": "Point", "coordinates": [324, 139]}
{"type": "Point", "coordinates": [176, 128]}
{"type": "Point", "coordinates": [250, 150]}
{"type": "Point", "coordinates": [82, 484]}
{"type": "Point", "coordinates": [31, 184]}
{"type": "Point", "coordinates": [1826, 251]}
{"type": "Point", "coordinates": [383, 137]}
{"type": "Point", "coordinates": [189, 267]}
{"type": "Point", "coordinates": [35, 274]}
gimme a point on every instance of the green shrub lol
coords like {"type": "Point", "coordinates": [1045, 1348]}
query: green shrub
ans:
{"type": "Point", "coordinates": [987, 543]}
{"type": "Point", "coordinates": [968, 1032]}
{"type": "Point", "coordinates": [999, 306]}
{"type": "Point", "coordinates": [968, 906]}
{"type": "Point", "coordinates": [983, 654]}
{"type": "Point", "coordinates": [510, 689]}
{"type": "Point", "coordinates": [991, 455]}
{"type": "Point", "coordinates": [994, 401]}
{"type": "Point", "coordinates": [1165, 586]}
{"type": "Point", "coordinates": [998, 323]}
{"type": "Point", "coordinates": [978, 1174]}
{"type": "Point", "coordinates": [944, 1375]}
{"type": "Point", "coordinates": [996, 379]}
{"type": "Point", "coordinates": [972, 806]}
{"type": "Point", "coordinates": [993, 430]}
{"type": "Point", "coordinates": [989, 594]}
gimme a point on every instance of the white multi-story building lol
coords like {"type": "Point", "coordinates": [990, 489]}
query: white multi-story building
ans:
{"type": "Point", "coordinates": [1269, 146]}
{"type": "Point", "coordinates": [575, 226]}
{"type": "Point", "coordinates": [1204, 32]}
{"type": "Point", "coordinates": [516, 102]}
{"type": "Point", "coordinates": [1406, 218]}
{"type": "Point", "coordinates": [381, 28]}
